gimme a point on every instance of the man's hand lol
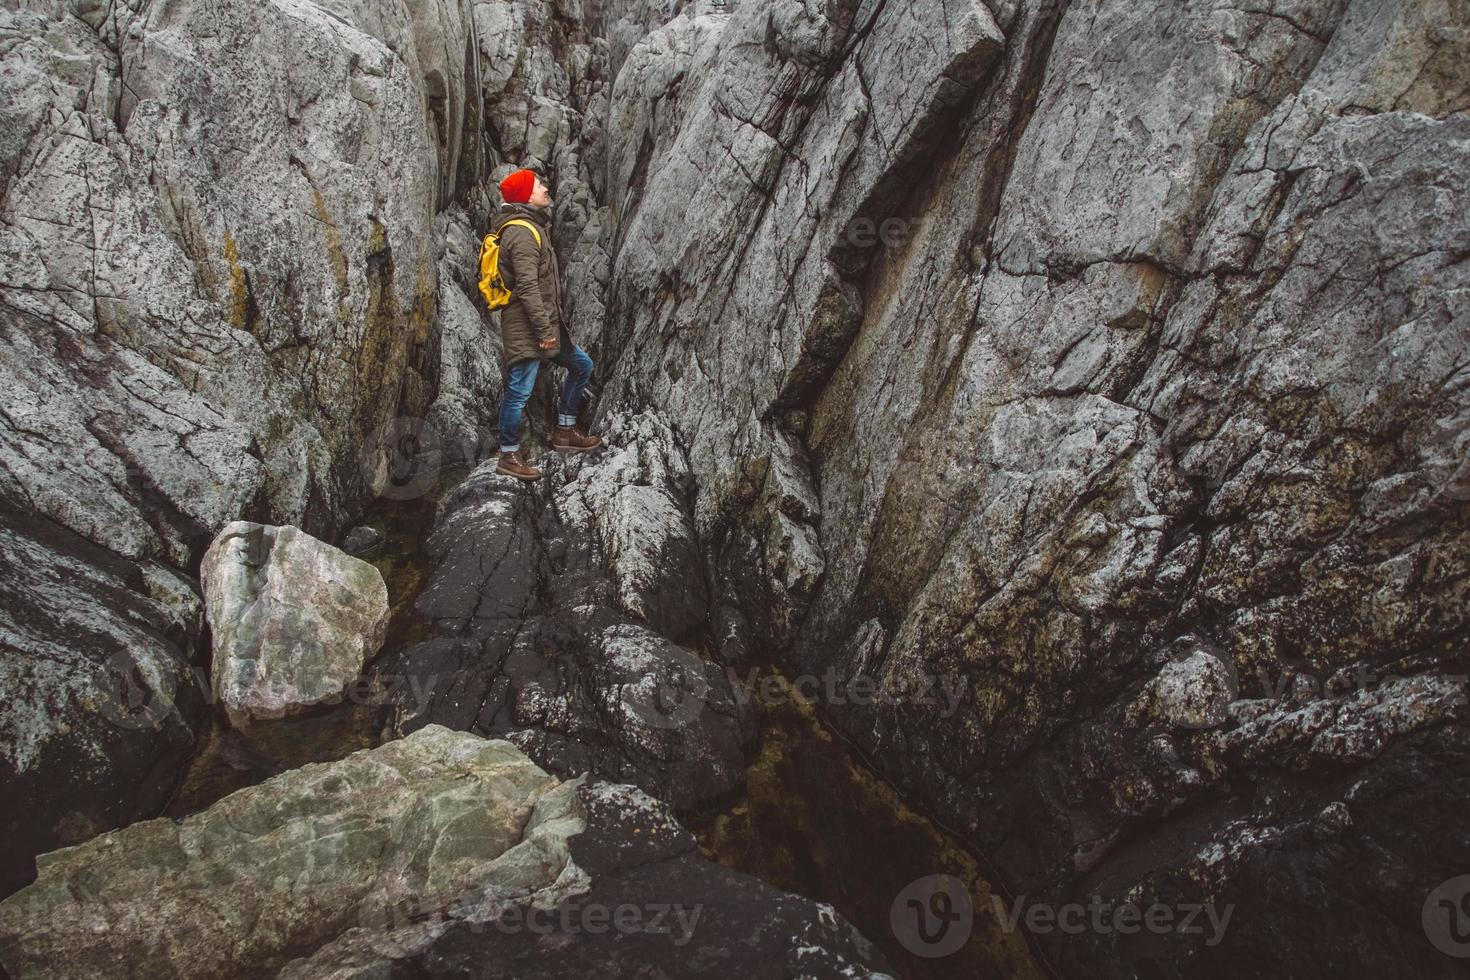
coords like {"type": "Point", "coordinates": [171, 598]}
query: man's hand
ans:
{"type": "Point", "coordinates": [546, 344]}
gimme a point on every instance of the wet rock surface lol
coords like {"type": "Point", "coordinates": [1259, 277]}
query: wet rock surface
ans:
{"type": "Point", "coordinates": [1164, 350]}
{"type": "Point", "coordinates": [1103, 361]}
{"type": "Point", "coordinates": [568, 618]}
{"type": "Point", "coordinates": [682, 915]}
{"type": "Point", "coordinates": [411, 857]}
{"type": "Point", "coordinates": [811, 807]}
{"type": "Point", "coordinates": [92, 643]}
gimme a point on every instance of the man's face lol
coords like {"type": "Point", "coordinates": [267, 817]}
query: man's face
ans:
{"type": "Point", "coordinates": [540, 195]}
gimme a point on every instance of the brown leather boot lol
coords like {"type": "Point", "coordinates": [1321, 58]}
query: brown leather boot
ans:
{"type": "Point", "coordinates": [571, 438]}
{"type": "Point", "coordinates": [514, 464]}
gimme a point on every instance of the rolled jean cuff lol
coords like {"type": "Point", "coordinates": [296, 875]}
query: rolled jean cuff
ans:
{"type": "Point", "coordinates": [510, 449]}
{"type": "Point", "coordinates": [562, 418]}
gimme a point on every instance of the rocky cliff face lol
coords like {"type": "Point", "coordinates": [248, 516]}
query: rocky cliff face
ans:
{"type": "Point", "coordinates": [218, 285]}
{"type": "Point", "coordinates": [1105, 362]}
{"type": "Point", "coordinates": [1109, 361]}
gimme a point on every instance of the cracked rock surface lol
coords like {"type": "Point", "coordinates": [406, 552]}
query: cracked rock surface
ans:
{"type": "Point", "coordinates": [1111, 362]}
{"type": "Point", "coordinates": [1108, 362]}
{"type": "Point", "coordinates": [217, 282]}
{"type": "Point", "coordinates": [569, 618]}
{"type": "Point", "coordinates": [423, 856]}
{"type": "Point", "coordinates": [292, 620]}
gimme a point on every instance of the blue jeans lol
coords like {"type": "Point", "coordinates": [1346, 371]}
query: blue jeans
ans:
{"type": "Point", "coordinates": [522, 378]}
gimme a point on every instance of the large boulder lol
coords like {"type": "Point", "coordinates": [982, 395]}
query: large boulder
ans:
{"type": "Point", "coordinates": [293, 619]}
{"type": "Point", "coordinates": [653, 907]}
{"type": "Point", "coordinates": [419, 850]}
{"type": "Point", "coordinates": [283, 865]}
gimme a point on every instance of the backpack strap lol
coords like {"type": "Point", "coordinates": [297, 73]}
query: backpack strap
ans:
{"type": "Point", "coordinates": [522, 221]}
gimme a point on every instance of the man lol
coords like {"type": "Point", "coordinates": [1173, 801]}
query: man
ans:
{"type": "Point", "coordinates": [531, 327]}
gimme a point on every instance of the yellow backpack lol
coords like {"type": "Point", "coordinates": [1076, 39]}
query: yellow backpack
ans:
{"type": "Point", "coordinates": [492, 284]}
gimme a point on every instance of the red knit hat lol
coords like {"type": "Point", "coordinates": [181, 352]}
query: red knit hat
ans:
{"type": "Point", "coordinates": [518, 186]}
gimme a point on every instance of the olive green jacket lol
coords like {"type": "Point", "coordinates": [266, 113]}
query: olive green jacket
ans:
{"type": "Point", "coordinates": [534, 278]}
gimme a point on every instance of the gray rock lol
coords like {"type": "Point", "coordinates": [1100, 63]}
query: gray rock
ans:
{"type": "Point", "coordinates": [101, 697]}
{"type": "Point", "coordinates": [993, 358]}
{"type": "Point", "coordinates": [462, 421]}
{"type": "Point", "coordinates": [217, 283]}
{"type": "Point", "coordinates": [654, 906]}
{"type": "Point", "coordinates": [306, 853]}
{"type": "Point", "coordinates": [363, 542]}
{"type": "Point", "coordinates": [1193, 692]}
{"type": "Point", "coordinates": [1157, 346]}
{"type": "Point", "coordinates": [293, 620]}
{"type": "Point", "coordinates": [401, 854]}
{"type": "Point", "coordinates": [571, 618]}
